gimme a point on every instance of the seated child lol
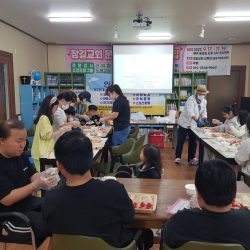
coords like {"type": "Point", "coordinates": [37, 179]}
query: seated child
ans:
{"type": "Point", "coordinates": [230, 116]}
{"type": "Point", "coordinates": [92, 115]}
{"type": "Point", "coordinates": [70, 113]}
{"type": "Point", "coordinates": [242, 157]}
{"type": "Point", "coordinates": [241, 132]}
{"type": "Point", "coordinates": [151, 167]}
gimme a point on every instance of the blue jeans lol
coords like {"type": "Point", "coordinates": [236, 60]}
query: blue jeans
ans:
{"type": "Point", "coordinates": [120, 136]}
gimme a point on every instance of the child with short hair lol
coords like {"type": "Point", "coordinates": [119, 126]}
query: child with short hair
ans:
{"type": "Point", "coordinates": [92, 114]}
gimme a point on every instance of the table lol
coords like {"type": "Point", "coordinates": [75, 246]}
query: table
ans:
{"type": "Point", "coordinates": [168, 191]}
{"type": "Point", "coordinates": [154, 124]}
{"type": "Point", "coordinates": [212, 144]}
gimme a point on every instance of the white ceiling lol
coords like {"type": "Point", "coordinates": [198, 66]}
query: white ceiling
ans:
{"type": "Point", "coordinates": [181, 18]}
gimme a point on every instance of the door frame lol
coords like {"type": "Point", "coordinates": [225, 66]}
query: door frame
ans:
{"type": "Point", "coordinates": [242, 80]}
{"type": "Point", "coordinates": [7, 59]}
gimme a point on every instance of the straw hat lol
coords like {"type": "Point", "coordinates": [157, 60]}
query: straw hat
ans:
{"type": "Point", "coordinates": [201, 90]}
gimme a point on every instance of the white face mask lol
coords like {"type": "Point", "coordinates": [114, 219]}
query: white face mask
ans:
{"type": "Point", "coordinates": [71, 119]}
{"type": "Point", "coordinates": [201, 97]}
{"type": "Point", "coordinates": [66, 106]}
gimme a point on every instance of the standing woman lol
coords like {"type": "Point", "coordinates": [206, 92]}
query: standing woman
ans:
{"type": "Point", "coordinates": [43, 141]}
{"type": "Point", "coordinates": [194, 115]}
{"type": "Point", "coordinates": [120, 114]}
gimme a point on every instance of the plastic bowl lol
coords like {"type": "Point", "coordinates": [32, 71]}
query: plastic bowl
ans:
{"type": "Point", "coordinates": [104, 178]}
{"type": "Point", "coordinates": [190, 189]}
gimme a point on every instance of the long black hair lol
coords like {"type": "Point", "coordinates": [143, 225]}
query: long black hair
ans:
{"type": "Point", "coordinates": [152, 156]}
{"type": "Point", "coordinates": [243, 115]}
{"type": "Point", "coordinates": [115, 88]}
{"type": "Point", "coordinates": [46, 109]}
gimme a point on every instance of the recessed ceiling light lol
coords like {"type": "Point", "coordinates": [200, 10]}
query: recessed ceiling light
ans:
{"type": "Point", "coordinates": [70, 19]}
{"type": "Point", "coordinates": [232, 18]}
{"type": "Point", "coordinates": [154, 36]}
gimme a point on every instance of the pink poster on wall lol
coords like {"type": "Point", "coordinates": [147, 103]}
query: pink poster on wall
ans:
{"type": "Point", "coordinates": [89, 59]}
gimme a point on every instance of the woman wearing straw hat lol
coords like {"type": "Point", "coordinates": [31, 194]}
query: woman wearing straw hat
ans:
{"type": "Point", "coordinates": [193, 115]}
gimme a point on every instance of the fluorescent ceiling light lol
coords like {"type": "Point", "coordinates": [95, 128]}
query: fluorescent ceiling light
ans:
{"type": "Point", "coordinates": [232, 18]}
{"type": "Point", "coordinates": [154, 36]}
{"type": "Point", "coordinates": [69, 19]}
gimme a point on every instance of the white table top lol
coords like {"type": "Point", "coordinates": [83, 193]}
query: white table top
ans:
{"type": "Point", "coordinates": [225, 151]}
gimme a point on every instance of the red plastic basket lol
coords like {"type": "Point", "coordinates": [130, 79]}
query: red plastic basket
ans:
{"type": "Point", "coordinates": [156, 138]}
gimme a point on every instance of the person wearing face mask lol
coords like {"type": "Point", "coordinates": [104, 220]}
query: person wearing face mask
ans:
{"type": "Point", "coordinates": [120, 115]}
{"type": "Point", "coordinates": [59, 117]}
{"type": "Point", "coordinates": [193, 115]}
{"type": "Point", "coordinates": [44, 138]}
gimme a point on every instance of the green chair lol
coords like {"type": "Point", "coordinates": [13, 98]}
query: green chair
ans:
{"type": "Point", "coordinates": [117, 151]}
{"type": "Point", "coordinates": [196, 245]}
{"type": "Point", "coordinates": [78, 242]}
{"type": "Point", "coordinates": [138, 143]}
{"type": "Point", "coordinates": [135, 133]}
{"type": "Point", "coordinates": [133, 157]}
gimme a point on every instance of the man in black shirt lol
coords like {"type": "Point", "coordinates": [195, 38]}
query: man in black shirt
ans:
{"type": "Point", "coordinates": [18, 178]}
{"type": "Point", "coordinates": [120, 114]}
{"type": "Point", "coordinates": [86, 206]}
{"type": "Point", "coordinates": [214, 221]}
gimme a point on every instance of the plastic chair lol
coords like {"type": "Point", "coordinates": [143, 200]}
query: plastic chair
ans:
{"type": "Point", "coordinates": [133, 157]}
{"type": "Point", "coordinates": [78, 242]}
{"type": "Point", "coordinates": [135, 133]}
{"type": "Point", "coordinates": [11, 233]}
{"type": "Point", "coordinates": [118, 150]}
{"type": "Point", "coordinates": [197, 245]}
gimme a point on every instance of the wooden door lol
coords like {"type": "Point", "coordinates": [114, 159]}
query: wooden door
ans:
{"type": "Point", "coordinates": [7, 91]}
{"type": "Point", "coordinates": [225, 90]}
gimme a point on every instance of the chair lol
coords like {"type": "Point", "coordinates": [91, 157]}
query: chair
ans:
{"type": "Point", "coordinates": [78, 242]}
{"type": "Point", "coordinates": [30, 134]}
{"type": "Point", "coordinates": [12, 232]}
{"type": "Point", "coordinates": [196, 245]}
{"type": "Point", "coordinates": [133, 157]}
{"type": "Point", "coordinates": [118, 150]}
{"type": "Point", "coordinates": [135, 133]}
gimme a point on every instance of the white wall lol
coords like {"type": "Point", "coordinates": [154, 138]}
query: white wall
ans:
{"type": "Point", "coordinates": [28, 54]}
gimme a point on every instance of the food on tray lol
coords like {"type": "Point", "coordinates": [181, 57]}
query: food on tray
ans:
{"type": "Point", "coordinates": [241, 200]}
{"type": "Point", "coordinates": [142, 202]}
{"type": "Point", "coordinates": [96, 140]}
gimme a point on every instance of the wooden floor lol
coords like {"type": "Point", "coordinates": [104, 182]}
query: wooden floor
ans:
{"type": "Point", "coordinates": [172, 170]}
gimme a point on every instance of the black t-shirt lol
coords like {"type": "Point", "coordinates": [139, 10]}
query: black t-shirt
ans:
{"type": "Point", "coordinates": [96, 208]}
{"type": "Point", "coordinates": [151, 172]}
{"type": "Point", "coordinates": [202, 225]}
{"type": "Point", "coordinates": [16, 173]}
{"type": "Point", "coordinates": [121, 105]}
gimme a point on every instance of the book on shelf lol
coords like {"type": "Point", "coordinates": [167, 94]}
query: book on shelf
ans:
{"type": "Point", "coordinates": [200, 81]}
{"type": "Point", "coordinates": [186, 81]}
